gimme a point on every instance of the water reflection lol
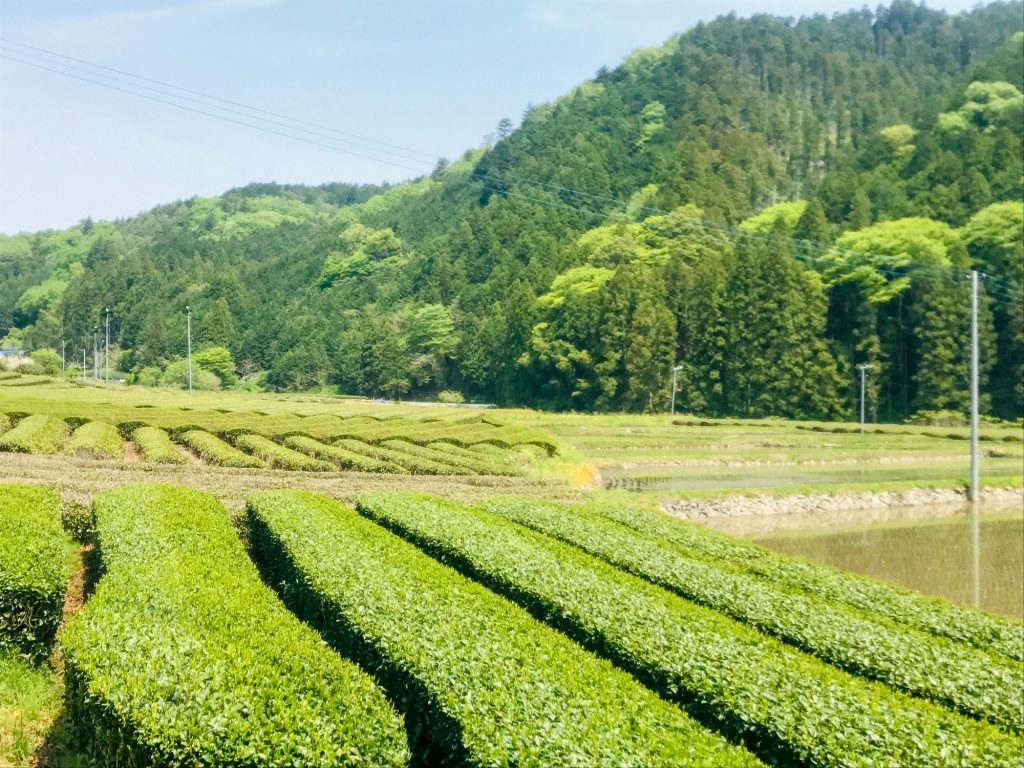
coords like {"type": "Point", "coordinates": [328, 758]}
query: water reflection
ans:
{"type": "Point", "coordinates": [973, 557]}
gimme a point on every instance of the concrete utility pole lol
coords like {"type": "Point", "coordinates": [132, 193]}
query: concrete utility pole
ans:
{"type": "Point", "coordinates": [675, 378]}
{"type": "Point", "coordinates": [864, 368]}
{"type": "Point", "coordinates": [974, 489]}
{"type": "Point", "coordinates": [96, 353]}
{"type": "Point", "coordinates": [106, 350]}
{"type": "Point", "coordinates": [83, 365]}
{"type": "Point", "coordinates": [63, 365]}
{"type": "Point", "coordinates": [188, 312]}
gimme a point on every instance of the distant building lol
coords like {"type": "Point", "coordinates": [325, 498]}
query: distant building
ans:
{"type": "Point", "coordinates": [10, 352]}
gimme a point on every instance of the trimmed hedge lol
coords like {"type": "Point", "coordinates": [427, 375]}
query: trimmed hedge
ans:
{"type": "Point", "coordinates": [453, 466]}
{"type": "Point", "coordinates": [34, 568]}
{"type": "Point", "coordinates": [214, 450]}
{"type": "Point", "coordinates": [408, 462]}
{"type": "Point", "coordinates": [964, 678]}
{"type": "Point", "coordinates": [154, 445]}
{"type": "Point", "coordinates": [96, 440]}
{"type": "Point", "coordinates": [182, 657]}
{"type": "Point", "coordinates": [791, 708]}
{"type": "Point", "coordinates": [475, 462]}
{"type": "Point", "coordinates": [279, 456]}
{"type": "Point", "coordinates": [5, 423]}
{"type": "Point", "coordinates": [484, 683]}
{"type": "Point", "coordinates": [343, 458]}
{"type": "Point", "coordinates": [998, 634]}
{"type": "Point", "coordinates": [35, 434]}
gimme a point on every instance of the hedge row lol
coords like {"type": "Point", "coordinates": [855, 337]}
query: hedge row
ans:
{"type": "Point", "coordinates": [408, 462]}
{"type": "Point", "coordinates": [998, 634]}
{"type": "Point", "coordinates": [5, 423]}
{"type": "Point", "coordinates": [279, 456]}
{"type": "Point", "coordinates": [484, 683]}
{"type": "Point", "coordinates": [35, 434]}
{"type": "Point", "coordinates": [183, 657]}
{"type": "Point", "coordinates": [474, 462]}
{"type": "Point", "coordinates": [216, 451]}
{"type": "Point", "coordinates": [343, 458]}
{"type": "Point", "coordinates": [97, 440]}
{"type": "Point", "coordinates": [791, 708]}
{"type": "Point", "coordinates": [453, 466]}
{"type": "Point", "coordinates": [156, 446]}
{"type": "Point", "coordinates": [34, 568]}
{"type": "Point", "coordinates": [959, 676]}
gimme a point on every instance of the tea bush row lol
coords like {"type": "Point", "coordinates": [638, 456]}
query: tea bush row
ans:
{"type": "Point", "coordinates": [345, 459]}
{"type": "Point", "coordinates": [35, 434]}
{"type": "Point", "coordinates": [280, 456]}
{"type": "Point", "coordinates": [96, 440]}
{"type": "Point", "coordinates": [485, 684]}
{"type": "Point", "coordinates": [183, 657]}
{"type": "Point", "coordinates": [214, 450]}
{"type": "Point", "coordinates": [957, 675]}
{"type": "Point", "coordinates": [786, 705]}
{"type": "Point", "coordinates": [408, 462]}
{"type": "Point", "coordinates": [154, 445]}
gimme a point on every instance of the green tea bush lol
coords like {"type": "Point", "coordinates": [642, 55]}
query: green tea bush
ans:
{"type": "Point", "coordinates": [481, 463]}
{"type": "Point", "coordinates": [959, 676]}
{"type": "Point", "coordinates": [408, 462]}
{"type": "Point", "coordinates": [34, 568]}
{"type": "Point", "coordinates": [343, 458]}
{"type": "Point", "coordinates": [451, 466]}
{"type": "Point", "coordinates": [5, 423]}
{"type": "Point", "coordinates": [791, 708]}
{"type": "Point", "coordinates": [483, 682]}
{"type": "Point", "coordinates": [214, 450]}
{"type": "Point", "coordinates": [35, 434]}
{"type": "Point", "coordinates": [154, 445]}
{"type": "Point", "coordinates": [182, 657]}
{"type": "Point", "coordinates": [279, 456]}
{"type": "Point", "coordinates": [997, 634]}
{"type": "Point", "coordinates": [96, 440]}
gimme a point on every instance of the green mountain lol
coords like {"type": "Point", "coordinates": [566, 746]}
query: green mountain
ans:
{"type": "Point", "coordinates": [767, 203]}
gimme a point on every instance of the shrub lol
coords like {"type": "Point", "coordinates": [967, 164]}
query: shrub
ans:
{"type": "Point", "coordinates": [183, 657]}
{"type": "Point", "coordinates": [97, 440]}
{"type": "Point", "coordinates": [218, 361]}
{"type": "Point", "coordinates": [214, 450]}
{"type": "Point", "coordinates": [952, 674]}
{"type": "Point", "coordinates": [35, 434]}
{"type": "Point", "coordinates": [409, 463]}
{"type": "Point", "coordinates": [34, 568]}
{"type": "Point", "coordinates": [148, 376]}
{"type": "Point", "coordinates": [450, 396]}
{"type": "Point", "coordinates": [494, 464]}
{"type": "Point", "coordinates": [156, 446]}
{"type": "Point", "coordinates": [445, 463]}
{"type": "Point", "coordinates": [278, 456]}
{"type": "Point", "coordinates": [176, 375]}
{"type": "Point", "coordinates": [47, 361]}
{"type": "Point", "coordinates": [343, 458]}
{"type": "Point", "coordinates": [938, 419]}
{"type": "Point", "coordinates": [789, 707]}
{"type": "Point", "coordinates": [993, 633]}
{"type": "Point", "coordinates": [484, 683]}
{"type": "Point", "coordinates": [5, 423]}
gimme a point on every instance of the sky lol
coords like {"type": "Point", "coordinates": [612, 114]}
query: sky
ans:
{"type": "Point", "coordinates": [431, 76]}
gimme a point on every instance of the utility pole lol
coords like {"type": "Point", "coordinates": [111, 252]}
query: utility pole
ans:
{"type": "Point", "coordinates": [188, 312]}
{"type": "Point", "coordinates": [83, 365]}
{"type": "Point", "coordinates": [106, 350]}
{"type": "Point", "coordinates": [675, 378]}
{"type": "Point", "coordinates": [973, 491]}
{"type": "Point", "coordinates": [63, 365]}
{"type": "Point", "coordinates": [96, 353]}
{"type": "Point", "coordinates": [864, 368]}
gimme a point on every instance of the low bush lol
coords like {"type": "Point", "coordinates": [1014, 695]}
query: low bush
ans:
{"type": "Point", "coordinates": [484, 683]}
{"type": "Point", "coordinates": [154, 445]}
{"type": "Point", "coordinates": [214, 450]}
{"type": "Point", "coordinates": [343, 458]}
{"type": "Point", "coordinates": [959, 676]}
{"type": "Point", "coordinates": [791, 708]}
{"type": "Point", "coordinates": [35, 434]}
{"type": "Point", "coordinates": [998, 634]}
{"type": "Point", "coordinates": [498, 463]}
{"type": "Point", "coordinates": [96, 440]}
{"type": "Point", "coordinates": [422, 453]}
{"type": "Point", "coordinates": [183, 657]}
{"type": "Point", "coordinates": [5, 423]}
{"type": "Point", "coordinates": [279, 456]}
{"type": "Point", "coordinates": [34, 569]}
{"type": "Point", "coordinates": [408, 462]}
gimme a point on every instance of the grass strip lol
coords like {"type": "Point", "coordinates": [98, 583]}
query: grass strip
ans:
{"type": "Point", "coordinates": [279, 456]}
{"type": "Point", "coordinates": [182, 657]}
{"type": "Point", "coordinates": [35, 434]}
{"type": "Point", "coordinates": [34, 568]}
{"type": "Point", "coordinates": [214, 450]}
{"type": "Point", "coordinates": [154, 445]}
{"type": "Point", "coordinates": [964, 678]}
{"type": "Point", "coordinates": [343, 458]}
{"type": "Point", "coordinates": [484, 683]}
{"type": "Point", "coordinates": [997, 634]}
{"type": "Point", "coordinates": [29, 699]}
{"type": "Point", "coordinates": [96, 440]}
{"type": "Point", "coordinates": [791, 708]}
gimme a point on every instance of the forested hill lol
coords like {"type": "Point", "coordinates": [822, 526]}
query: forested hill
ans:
{"type": "Point", "coordinates": [766, 202]}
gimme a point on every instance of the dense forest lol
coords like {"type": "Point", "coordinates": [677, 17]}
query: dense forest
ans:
{"type": "Point", "coordinates": [767, 203]}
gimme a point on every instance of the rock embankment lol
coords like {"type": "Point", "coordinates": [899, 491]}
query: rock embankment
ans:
{"type": "Point", "coordinates": [817, 503]}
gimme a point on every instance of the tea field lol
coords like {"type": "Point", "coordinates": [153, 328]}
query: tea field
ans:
{"type": "Point", "coordinates": [238, 579]}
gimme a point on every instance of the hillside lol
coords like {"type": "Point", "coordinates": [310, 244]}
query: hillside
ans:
{"type": "Point", "coordinates": [725, 201]}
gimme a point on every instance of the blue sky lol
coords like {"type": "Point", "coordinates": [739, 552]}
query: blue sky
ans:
{"type": "Point", "coordinates": [433, 75]}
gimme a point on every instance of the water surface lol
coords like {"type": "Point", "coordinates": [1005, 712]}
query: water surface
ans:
{"type": "Point", "coordinates": [970, 558]}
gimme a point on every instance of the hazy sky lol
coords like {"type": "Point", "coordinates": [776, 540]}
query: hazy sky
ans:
{"type": "Point", "coordinates": [431, 75]}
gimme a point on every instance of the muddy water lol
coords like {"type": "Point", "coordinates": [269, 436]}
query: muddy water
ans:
{"type": "Point", "coordinates": [971, 558]}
